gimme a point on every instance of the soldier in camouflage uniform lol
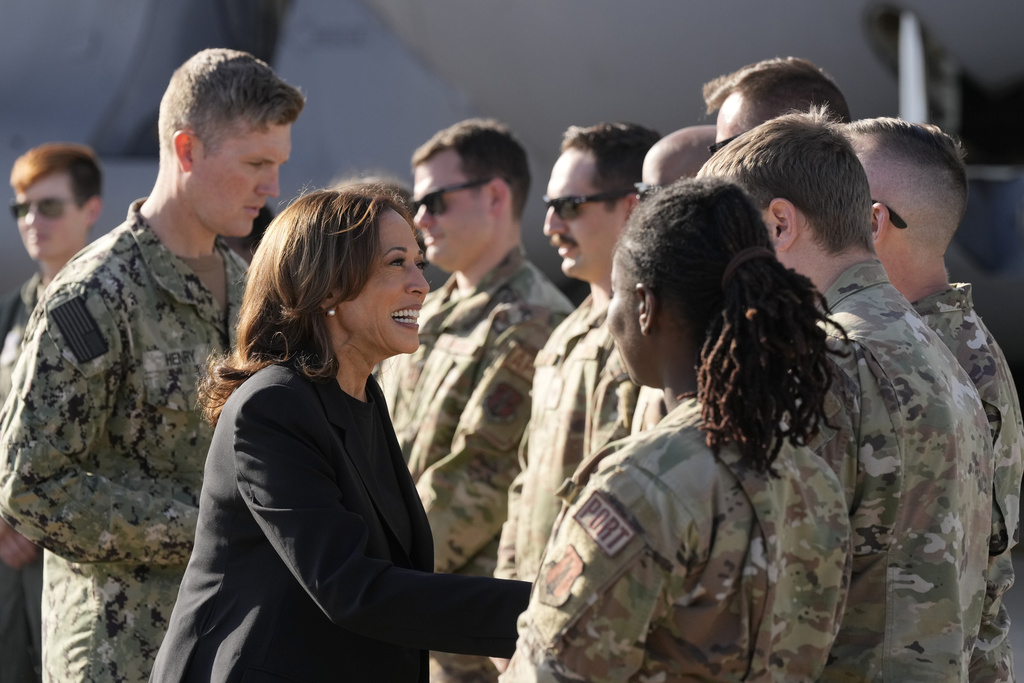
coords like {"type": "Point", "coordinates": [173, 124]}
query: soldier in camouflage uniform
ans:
{"type": "Point", "coordinates": [912, 446]}
{"type": "Point", "coordinates": [57, 200]}
{"type": "Point", "coordinates": [583, 398]}
{"type": "Point", "coordinates": [713, 546]}
{"type": "Point", "coordinates": [920, 169]}
{"type": "Point", "coordinates": [460, 403]}
{"type": "Point", "coordinates": [103, 449]}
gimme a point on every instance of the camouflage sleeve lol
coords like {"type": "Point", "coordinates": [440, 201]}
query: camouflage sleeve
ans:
{"type": "Point", "coordinates": [58, 410]}
{"type": "Point", "coordinates": [992, 659]}
{"type": "Point", "coordinates": [597, 595]}
{"type": "Point", "coordinates": [465, 493]}
{"type": "Point", "coordinates": [506, 568]}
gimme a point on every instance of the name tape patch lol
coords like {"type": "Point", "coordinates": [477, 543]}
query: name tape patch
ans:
{"type": "Point", "coordinates": [520, 362]}
{"type": "Point", "coordinates": [603, 523]}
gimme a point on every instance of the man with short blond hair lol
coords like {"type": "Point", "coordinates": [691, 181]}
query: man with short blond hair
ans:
{"type": "Point", "coordinates": [919, 169]}
{"type": "Point", "coordinates": [102, 446]}
{"type": "Point", "coordinates": [460, 403]}
{"type": "Point", "coordinates": [909, 438]}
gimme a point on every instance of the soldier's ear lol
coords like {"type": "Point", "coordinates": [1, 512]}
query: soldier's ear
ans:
{"type": "Point", "coordinates": [498, 194]}
{"type": "Point", "coordinates": [186, 147]}
{"type": "Point", "coordinates": [784, 223]}
{"type": "Point", "coordinates": [647, 308]}
{"type": "Point", "coordinates": [879, 224]}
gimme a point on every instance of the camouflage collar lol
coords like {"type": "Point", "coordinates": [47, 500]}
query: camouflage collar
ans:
{"type": "Point", "coordinates": [956, 298]}
{"type": "Point", "coordinates": [171, 273]}
{"type": "Point", "coordinates": [856, 278]}
{"type": "Point", "coordinates": [593, 317]}
{"type": "Point", "coordinates": [502, 272]}
{"type": "Point", "coordinates": [31, 291]}
{"type": "Point", "coordinates": [583, 319]}
{"type": "Point", "coordinates": [453, 310]}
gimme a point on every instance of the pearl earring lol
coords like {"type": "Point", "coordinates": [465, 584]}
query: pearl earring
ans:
{"type": "Point", "coordinates": [331, 312]}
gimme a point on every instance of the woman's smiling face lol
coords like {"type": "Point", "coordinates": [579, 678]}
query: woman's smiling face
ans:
{"type": "Point", "coordinates": [382, 320]}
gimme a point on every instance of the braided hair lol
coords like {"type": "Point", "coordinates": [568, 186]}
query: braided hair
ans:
{"type": "Point", "coordinates": [763, 372]}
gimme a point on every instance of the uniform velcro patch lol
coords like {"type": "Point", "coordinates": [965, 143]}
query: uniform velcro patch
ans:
{"type": "Point", "coordinates": [520, 362]}
{"type": "Point", "coordinates": [502, 402]}
{"type": "Point", "coordinates": [79, 329]}
{"type": "Point", "coordinates": [559, 577]}
{"type": "Point", "coordinates": [604, 524]}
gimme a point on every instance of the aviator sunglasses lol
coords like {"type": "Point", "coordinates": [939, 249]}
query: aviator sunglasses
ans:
{"type": "Point", "coordinates": [569, 207]}
{"type": "Point", "coordinates": [434, 201]}
{"type": "Point", "coordinates": [51, 207]}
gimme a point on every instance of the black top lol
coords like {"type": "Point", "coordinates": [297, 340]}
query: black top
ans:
{"type": "Point", "coordinates": [300, 571]}
{"type": "Point", "coordinates": [374, 442]}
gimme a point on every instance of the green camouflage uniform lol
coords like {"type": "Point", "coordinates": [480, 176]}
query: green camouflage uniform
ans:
{"type": "Point", "coordinates": [103, 448]}
{"type": "Point", "coordinates": [670, 563]}
{"type": "Point", "coordinates": [584, 400]}
{"type": "Point", "coordinates": [951, 315]}
{"type": "Point", "coordinates": [914, 454]}
{"type": "Point", "coordinates": [460, 404]}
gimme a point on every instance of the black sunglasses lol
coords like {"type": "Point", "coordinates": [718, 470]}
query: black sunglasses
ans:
{"type": "Point", "coordinates": [645, 190]}
{"type": "Point", "coordinates": [569, 207]}
{"type": "Point", "coordinates": [715, 146]}
{"type": "Point", "coordinates": [51, 207]}
{"type": "Point", "coordinates": [896, 219]}
{"type": "Point", "coordinates": [434, 201]}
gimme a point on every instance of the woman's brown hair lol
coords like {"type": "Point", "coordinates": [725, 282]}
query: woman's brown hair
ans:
{"type": "Point", "coordinates": [318, 252]}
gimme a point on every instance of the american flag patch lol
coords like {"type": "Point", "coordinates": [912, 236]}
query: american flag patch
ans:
{"type": "Point", "coordinates": [79, 329]}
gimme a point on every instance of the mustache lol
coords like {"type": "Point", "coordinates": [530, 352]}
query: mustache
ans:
{"type": "Point", "coordinates": [559, 241]}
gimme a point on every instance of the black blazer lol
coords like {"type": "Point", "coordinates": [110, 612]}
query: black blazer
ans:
{"type": "Point", "coordinates": [297, 574]}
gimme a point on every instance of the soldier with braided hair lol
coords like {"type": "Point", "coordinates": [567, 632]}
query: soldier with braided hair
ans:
{"type": "Point", "coordinates": [714, 546]}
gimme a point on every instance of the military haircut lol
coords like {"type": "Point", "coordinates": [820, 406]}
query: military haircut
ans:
{"type": "Point", "coordinates": [487, 149]}
{"type": "Point", "coordinates": [763, 372]}
{"type": "Point", "coordinates": [78, 161]}
{"type": "Point", "coordinates": [928, 163]}
{"type": "Point", "coordinates": [323, 248]}
{"type": "Point", "coordinates": [218, 89]}
{"type": "Point", "coordinates": [773, 87]}
{"type": "Point", "coordinates": [806, 159]}
{"type": "Point", "coordinates": [618, 149]}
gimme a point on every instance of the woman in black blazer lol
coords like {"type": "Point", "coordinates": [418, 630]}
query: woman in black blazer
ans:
{"type": "Point", "coordinates": [313, 556]}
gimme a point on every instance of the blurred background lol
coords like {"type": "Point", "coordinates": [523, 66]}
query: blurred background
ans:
{"type": "Point", "coordinates": [381, 76]}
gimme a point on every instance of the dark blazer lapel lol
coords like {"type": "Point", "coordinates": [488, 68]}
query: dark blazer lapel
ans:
{"type": "Point", "coordinates": [339, 415]}
{"type": "Point", "coordinates": [423, 540]}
